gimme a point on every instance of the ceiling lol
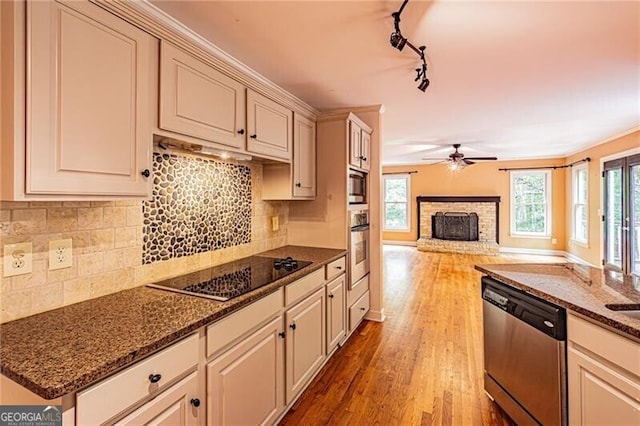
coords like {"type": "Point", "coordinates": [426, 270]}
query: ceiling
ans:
{"type": "Point", "coordinates": [512, 79]}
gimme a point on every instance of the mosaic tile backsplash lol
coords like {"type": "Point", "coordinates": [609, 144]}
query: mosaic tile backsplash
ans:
{"type": "Point", "coordinates": [198, 205]}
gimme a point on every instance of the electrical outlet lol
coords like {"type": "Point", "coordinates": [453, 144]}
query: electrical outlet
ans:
{"type": "Point", "coordinates": [554, 241]}
{"type": "Point", "coordinates": [17, 259]}
{"type": "Point", "coordinates": [275, 223]}
{"type": "Point", "coordinates": [60, 254]}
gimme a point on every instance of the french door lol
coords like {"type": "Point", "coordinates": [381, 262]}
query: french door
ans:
{"type": "Point", "coordinates": [622, 214]}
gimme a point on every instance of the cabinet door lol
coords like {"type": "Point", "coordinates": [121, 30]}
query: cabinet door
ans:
{"type": "Point", "coordinates": [199, 101]}
{"type": "Point", "coordinates": [355, 145]}
{"type": "Point", "coordinates": [174, 407]}
{"type": "Point", "coordinates": [336, 311]}
{"type": "Point", "coordinates": [305, 342]}
{"type": "Point", "coordinates": [599, 394]}
{"type": "Point", "coordinates": [365, 151]}
{"type": "Point", "coordinates": [89, 101]}
{"type": "Point", "coordinates": [304, 157]}
{"type": "Point", "coordinates": [245, 385]}
{"type": "Point", "coordinates": [270, 126]}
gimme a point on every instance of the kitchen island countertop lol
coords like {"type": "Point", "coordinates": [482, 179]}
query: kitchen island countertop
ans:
{"type": "Point", "coordinates": [580, 288]}
{"type": "Point", "coordinates": [61, 351]}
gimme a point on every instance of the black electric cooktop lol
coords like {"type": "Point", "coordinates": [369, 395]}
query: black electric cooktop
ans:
{"type": "Point", "coordinates": [232, 279]}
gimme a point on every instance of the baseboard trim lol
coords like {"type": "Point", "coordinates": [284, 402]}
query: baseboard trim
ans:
{"type": "Point", "coordinates": [541, 252]}
{"type": "Point", "coordinates": [377, 316]}
{"type": "Point", "coordinates": [400, 243]}
{"type": "Point", "coordinates": [575, 259]}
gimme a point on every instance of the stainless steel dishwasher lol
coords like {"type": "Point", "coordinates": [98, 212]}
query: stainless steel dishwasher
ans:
{"type": "Point", "coordinates": [524, 354]}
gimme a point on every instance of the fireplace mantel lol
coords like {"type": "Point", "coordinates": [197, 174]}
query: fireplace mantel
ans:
{"type": "Point", "coordinates": [460, 199]}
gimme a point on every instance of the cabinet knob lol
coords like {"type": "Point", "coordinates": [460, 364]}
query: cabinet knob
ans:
{"type": "Point", "coordinates": [331, 296]}
{"type": "Point", "coordinates": [253, 136]}
{"type": "Point", "coordinates": [195, 402]}
{"type": "Point", "coordinates": [298, 184]}
{"type": "Point", "coordinates": [339, 268]}
{"type": "Point", "coordinates": [363, 158]}
{"type": "Point", "coordinates": [146, 173]}
{"type": "Point", "coordinates": [363, 309]}
{"type": "Point", "coordinates": [282, 334]}
{"type": "Point", "coordinates": [241, 132]}
{"type": "Point", "coordinates": [292, 326]}
{"type": "Point", "coordinates": [155, 378]}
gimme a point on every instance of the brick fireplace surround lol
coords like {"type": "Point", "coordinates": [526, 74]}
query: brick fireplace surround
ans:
{"type": "Point", "coordinates": [488, 210]}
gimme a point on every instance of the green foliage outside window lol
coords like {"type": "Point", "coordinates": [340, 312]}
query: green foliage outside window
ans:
{"type": "Point", "coordinates": [530, 203]}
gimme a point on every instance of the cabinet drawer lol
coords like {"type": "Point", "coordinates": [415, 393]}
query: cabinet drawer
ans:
{"type": "Point", "coordinates": [610, 346]}
{"type": "Point", "coordinates": [335, 268]}
{"type": "Point", "coordinates": [228, 329]}
{"type": "Point", "coordinates": [298, 289]}
{"type": "Point", "coordinates": [357, 290]}
{"type": "Point", "coordinates": [358, 311]}
{"type": "Point", "coordinates": [113, 395]}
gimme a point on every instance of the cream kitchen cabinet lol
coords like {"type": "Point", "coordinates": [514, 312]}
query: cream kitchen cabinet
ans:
{"type": "Point", "coordinates": [305, 342]}
{"type": "Point", "coordinates": [269, 127]}
{"type": "Point", "coordinates": [84, 128]}
{"type": "Point", "coordinates": [150, 381]}
{"type": "Point", "coordinates": [199, 101]}
{"type": "Point", "coordinates": [603, 370]}
{"type": "Point", "coordinates": [359, 144]}
{"type": "Point", "coordinates": [175, 406]}
{"type": "Point", "coordinates": [245, 385]}
{"type": "Point", "coordinates": [336, 324]}
{"type": "Point", "coordinates": [283, 181]}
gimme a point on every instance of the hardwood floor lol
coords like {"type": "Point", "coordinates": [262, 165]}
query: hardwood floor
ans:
{"type": "Point", "coordinates": [423, 365]}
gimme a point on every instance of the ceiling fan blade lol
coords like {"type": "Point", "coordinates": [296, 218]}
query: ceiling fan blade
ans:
{"type": "Point", "coordinates": [481, 158]}
{"type": "Point", "coordinates": [468, 162]}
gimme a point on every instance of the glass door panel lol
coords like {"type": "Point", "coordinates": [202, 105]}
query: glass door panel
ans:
{"type": "Point", "coordinates": [613, 254]}
{"type": "Point", "coordinates": [634, 219]}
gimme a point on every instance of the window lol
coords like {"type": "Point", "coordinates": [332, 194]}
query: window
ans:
{"type": "Point", "coordinates": [531, 203]}
{"type": "Point", "coordinates": [396, 202]}
{"type": "Point", "coordinates": [579, 199]}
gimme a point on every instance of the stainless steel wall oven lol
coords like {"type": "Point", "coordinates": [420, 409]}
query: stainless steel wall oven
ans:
{"type": "Point", "coordinates": [359, 245]}
{"type": "Point", "coordinates": [357, 187]}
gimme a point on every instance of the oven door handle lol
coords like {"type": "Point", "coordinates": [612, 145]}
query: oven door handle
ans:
{"type": "Point", "coordinates": [360, 228]}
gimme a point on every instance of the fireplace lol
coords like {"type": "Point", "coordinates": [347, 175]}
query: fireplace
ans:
{"type": "Point", "coordinates": [455, 226]}
{"type": "Point", "coordinates": [459, 224]}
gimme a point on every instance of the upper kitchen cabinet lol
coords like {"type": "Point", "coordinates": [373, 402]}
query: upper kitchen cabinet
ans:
{"type": "Point", "coordinates": [198, 101]}
{"type": "Point", "coordinates": [297, 181]}
{"type": "Point", "coordinates": [269, 126]}
{"type": "Point", "coordinates": [359, 144]}
{"type": "Point", "coordinates": [304, 157]}
{"type": "Point", "coordinates": [84, 128]}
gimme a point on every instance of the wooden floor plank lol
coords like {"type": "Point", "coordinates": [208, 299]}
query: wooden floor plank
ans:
{"type": "Point", "coordinates": [424, 364]}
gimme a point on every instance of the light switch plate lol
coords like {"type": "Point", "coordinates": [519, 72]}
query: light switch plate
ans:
{"type": "Point", "coordinates": [60, 254]}
{"type": "Point", "coordinates": [17, 259]}
{"type": "Point", "coordinates": [275, 223]}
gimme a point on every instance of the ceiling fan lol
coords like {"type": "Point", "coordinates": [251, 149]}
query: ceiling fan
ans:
{"type": "Point", "coordinates": [458, 161]}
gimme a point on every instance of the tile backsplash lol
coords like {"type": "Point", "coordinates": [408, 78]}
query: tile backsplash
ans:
{"type": "Point", "coordinates": [109, 237]}
{"type": "Point", "coordinates": [198, 205]}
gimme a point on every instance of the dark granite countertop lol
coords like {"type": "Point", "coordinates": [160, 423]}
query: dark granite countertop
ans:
{"type": "Point", "coordinates": [61, 351]}
{"type": "Point", "coordinates": [579, 288]}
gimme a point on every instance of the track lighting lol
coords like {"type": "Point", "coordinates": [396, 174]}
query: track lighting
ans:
{"type": "Point", "coordinates": [398, 41]}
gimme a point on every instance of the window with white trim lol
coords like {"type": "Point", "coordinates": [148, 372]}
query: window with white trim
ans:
{"type": "Point", "coordinates": [580, 201]}
{"type": "Point", "coordinates": [531, 203]}
{"type": "Point", "coordinates": [396, 191]}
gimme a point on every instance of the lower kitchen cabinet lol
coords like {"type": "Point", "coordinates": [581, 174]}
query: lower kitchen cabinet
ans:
{"type": "Point", "coordinates": [603, 370]}
{"type": "Point", "coordinates": [358, 310]}
{"type": "Point", "coordinates": [178, 405]}
{"type": "Point", "coordinates": [245, 385]}
{"type": "Point", "coordinates": [336, 324]}
{"type": "Point", "coordinates": [306, 342]}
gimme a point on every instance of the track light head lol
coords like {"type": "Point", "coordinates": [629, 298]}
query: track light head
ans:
{"type": "Point", "coordinates": [397, 40]}
{"type": "Point", "coordinates": [424, 84]}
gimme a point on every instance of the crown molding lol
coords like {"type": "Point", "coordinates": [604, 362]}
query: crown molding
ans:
{"type": "Point", "coordinates": [151, 19]}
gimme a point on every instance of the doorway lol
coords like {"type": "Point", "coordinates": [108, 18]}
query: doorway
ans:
{"type": "Point", "coordinates": [622, 214]}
